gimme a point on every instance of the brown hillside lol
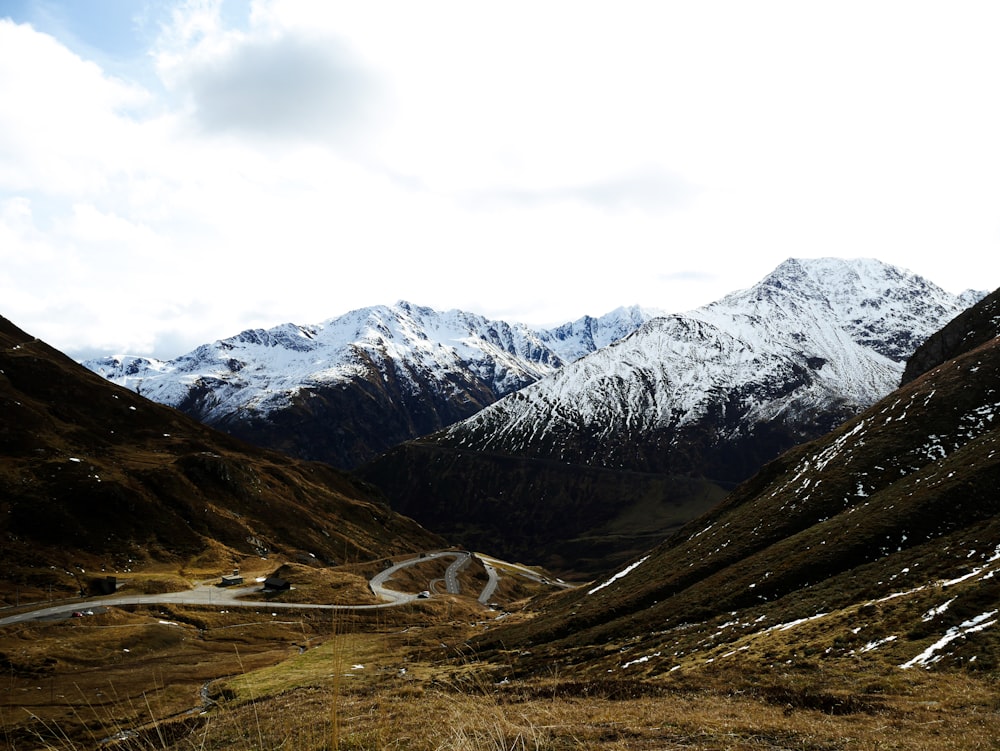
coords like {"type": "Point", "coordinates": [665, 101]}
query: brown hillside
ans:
{"type": "Point", "coordinates": [894, 504]}
{"type": "Point", "coordinates": [93, 476]}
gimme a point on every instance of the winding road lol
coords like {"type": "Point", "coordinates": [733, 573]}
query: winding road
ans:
{"type": "Point", "coordinates": [213, 595]}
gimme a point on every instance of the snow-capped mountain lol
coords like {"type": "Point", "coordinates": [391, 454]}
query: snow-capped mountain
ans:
{"type": "Point", "coordinates": [573, 340]}
{"type": "Point", "coordinates": [880, 307]}
{"type": "Point", "coordinates": [263, 370]}
{"type": "Point", "coordinates": [882, 534]}
{"type": "Point", "coordinates": [696, 402]}
{"type": "Point", "coordinates": [813, 342]}
{"type": "Point", "coordinates": [346, 389]}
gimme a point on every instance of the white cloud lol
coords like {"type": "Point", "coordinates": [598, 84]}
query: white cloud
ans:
{"type": "Point", "coordinates": [65, 125]}
{"type": "Point", "coordinates": [270, 80]}
{"type": "Point", "coordinates": [535, 161]}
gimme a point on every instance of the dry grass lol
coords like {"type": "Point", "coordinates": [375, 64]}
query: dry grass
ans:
{"type": "Point", "coordinates": [92, 677]}
{"type": "Point", "coordinates": [396, 690]}
{"type": "Point", "coordinates": [184, 679]}
{"type": "Point", "coordinates": [379, 687]}
{"type": "Point", "coordinates": [405, 711]}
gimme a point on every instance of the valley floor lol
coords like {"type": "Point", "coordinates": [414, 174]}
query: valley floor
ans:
{"type": "Point", "coordinates": [185, 677]}
{"type": "Point", "coordinates": [317, 686]}
{"type": "Point", "coordinates": [433, 709]}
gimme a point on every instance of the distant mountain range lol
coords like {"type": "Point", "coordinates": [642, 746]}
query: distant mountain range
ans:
{"type": "Point", "coordinates": [814, 342]}
{"type": "Point", "coordinates": [878, 541]}
{"type": "Point", "coordinates": [641, 435]}
{"type": "Point", "coordinates": [347, 389]}
{"type": "Point", "coordinates": [576, 446]}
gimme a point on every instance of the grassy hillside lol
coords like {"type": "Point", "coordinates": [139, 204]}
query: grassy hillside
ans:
{"type": "Point", "coordinates": [896, 506]}
{"type": "Point", "coordinates": [94, 479]}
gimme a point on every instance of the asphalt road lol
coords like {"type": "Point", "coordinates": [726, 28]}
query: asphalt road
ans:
{"type": "Point", "coordinates": [229, 597]}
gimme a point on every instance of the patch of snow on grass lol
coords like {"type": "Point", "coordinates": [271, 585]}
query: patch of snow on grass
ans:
{"type": "Point", "coordinates": [793, 624]}
{"type": "Point", "coordinates": [828, 454]}
{"type": "Point", "coordinates": [934, 612]}
{"type": "Point", "coordinates": [624, 572]}
{"type": "Point", "coordinates": [928, 656]}
{"type": "Point", "coordinates": [894, 595]}
{"type": "Point", "coordinates": [876, 644]}
{"type": "Point", "coordinates": [950, 582]}
{"type": "Point", "coordinates": [699, 534]}
{"type": "Point", "coordinates": [638, 660]}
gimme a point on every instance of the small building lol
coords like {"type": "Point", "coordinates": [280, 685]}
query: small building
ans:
{"type": "Point", "coordinates": [105, 585]}
{"type": "Point", "coordinates": [276, 584]}
{"type": "Point", "coordinates": [232, 580]}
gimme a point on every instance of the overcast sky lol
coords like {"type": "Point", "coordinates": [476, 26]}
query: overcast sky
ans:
{"type": "Point", "coordinates": [172, 173]}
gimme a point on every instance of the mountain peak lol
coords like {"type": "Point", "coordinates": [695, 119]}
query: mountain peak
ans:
{"type": "Point", "coordinates": [397, 371]}
{"type": "Point", "coordinates": [879, 306]}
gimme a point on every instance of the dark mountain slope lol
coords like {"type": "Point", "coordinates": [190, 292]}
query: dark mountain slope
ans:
{"type": "Point", "coordinates": [968, 329]}
{"type": "Point", "coordinates": [349, 422]}
{"type": "Point", "coordinates": [895, 512]}
{"type": "Point", "coordinates": [94, 475]}
{"type": "Point", "coordinates": [569, 527]}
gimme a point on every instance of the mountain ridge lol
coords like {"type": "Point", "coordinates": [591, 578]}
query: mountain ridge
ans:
{"type": "Point", "coordinates": [711, 395]}
{"type": "Point", "coordinates": [346, 389]}
{"type": "Point", "coordinates": [884, 533]}
{"type": "Point", "coordinates": [781, 331]}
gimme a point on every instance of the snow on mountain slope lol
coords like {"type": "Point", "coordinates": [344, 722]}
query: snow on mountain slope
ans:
{"type": "Point", "coordinates": [671, 374]}
{"type": "Point", "coordinates": [824, 336]}
{"type": "Point", "coordinates": [262, 370]}
{"type": "Point", "coordinates": [815, 337]}
{"type": "Point", "coordinates": [880, 307]}
{"type": "Point", "coordinates": [573, 340]}
{"type": "Point", "coordinates": [345, 390]}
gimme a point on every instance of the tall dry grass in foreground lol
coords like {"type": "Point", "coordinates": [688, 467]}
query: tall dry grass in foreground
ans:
{"type": "Point", "coordinates": [426, 709]}
{"type": "Point", "coordinates": [410, 684]}
{"type": "Point", "coordinates": [396, 702]}
{"type": "Point", "coordinates": [440, 719]}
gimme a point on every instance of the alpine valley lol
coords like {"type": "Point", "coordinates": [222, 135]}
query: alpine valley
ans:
{"type": "Point", "coordinates": [597, 461]}
{"type": "Point", "coordinates": [574, 447]}
{"type": "Point", "coordinates": [842, 597]}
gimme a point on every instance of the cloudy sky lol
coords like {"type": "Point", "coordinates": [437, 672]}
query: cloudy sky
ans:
{"type": "Point", "coordinates": [172, 173]}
